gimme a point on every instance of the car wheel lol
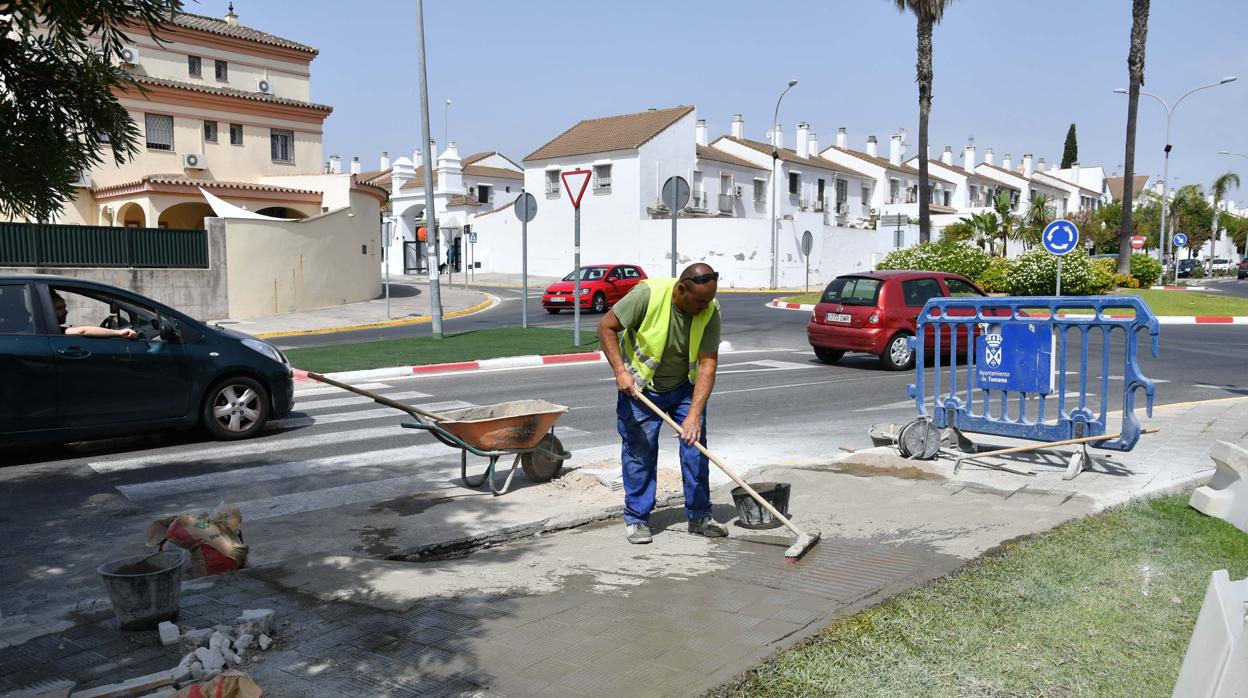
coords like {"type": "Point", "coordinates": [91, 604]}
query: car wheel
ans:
{"type": "Point", "coordinates": [600, 303]}
{"type": "Point", "coordinates": [897, 355]}
{"type": "Point", "coordinates": [553, 311]}
{"type": "Point", "coordinates": [828, 356]}
{"type": "Point", "coordinates": [235, 408]}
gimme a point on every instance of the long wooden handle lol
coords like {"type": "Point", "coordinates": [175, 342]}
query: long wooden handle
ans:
{"type": "Point", "coordinates": [381, 399]}
{"type": "Point", "coordinates": [727, 471]}
{"type": "Point", "coordinates": [1047, 444]}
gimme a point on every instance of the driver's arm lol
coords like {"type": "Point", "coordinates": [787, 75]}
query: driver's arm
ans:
{"type": "Point", "coordinates": [100, 332]}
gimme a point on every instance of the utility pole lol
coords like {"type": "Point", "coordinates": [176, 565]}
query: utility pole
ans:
{"type": "Point", "coordinates": [431, 225]}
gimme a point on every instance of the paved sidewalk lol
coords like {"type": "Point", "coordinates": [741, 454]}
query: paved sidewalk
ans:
{"type": "Point", "coordinates": [538, 593]}
{"type": "Point", "coordinates": [409, 304]}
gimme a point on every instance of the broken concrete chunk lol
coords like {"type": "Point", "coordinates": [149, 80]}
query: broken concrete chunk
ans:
{"type": "Point", "coordinates": [265, 642]}
{"type": "Point", "coordinates": [243, 642]}
{"type": "Point", "coordinates": [193, 639]}
{"type": "Point", "coordinates": [169, 633]}
{"type": "Point", "coordinates": [218, 641]}
{"type": "Point", "coordinates": [256, 621]}
{"type": "Point", "coordinates": [211, 658]}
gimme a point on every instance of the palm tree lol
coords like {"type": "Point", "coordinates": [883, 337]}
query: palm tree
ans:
{"type": "Point", "coordinates": [927, 14]}
{"type": "Point", "coordinates": [1039, 214]}
{"type": "Point", "coordinates": [1183, 203]}
{"type": "Point", "coordinates": [1220, 187]}
{"type": "Point", "coordinates": [1003, 204]}
{"type": "Point", "coordinates": [1135, 67]}
{"type": "Point", "coordinates": [985, 226]}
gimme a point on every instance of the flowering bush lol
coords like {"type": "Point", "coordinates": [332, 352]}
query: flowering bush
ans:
{"type": "Point", "coordinates": [996, 277]}
{"type": "Point", "coordinates": [1126, 281]}
{"type": "Point", "coordinates": [1103, 276]}
{"type": "Point", "coordinates": [947, 257]}
{"type": "Point", "coordinates": [1034, 273]}
{"type": "Point", "coordinates": [1145, 269]}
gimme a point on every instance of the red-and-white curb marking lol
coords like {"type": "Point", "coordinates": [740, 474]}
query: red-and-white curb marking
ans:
{"type": "Point", "coordinates": [1164, 319]}
{"type": "Point", "coordinates": [301, 376]}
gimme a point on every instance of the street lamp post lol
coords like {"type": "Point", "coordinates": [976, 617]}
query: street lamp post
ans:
{"type": "Point", "coordinates": [1168, 240]}
{"type": "Point", "coordinates": [775, 156]}
{"type": "Point", "coordinates": [1227, 152]}
{"type": "Point", "coordinates": [446, 116]}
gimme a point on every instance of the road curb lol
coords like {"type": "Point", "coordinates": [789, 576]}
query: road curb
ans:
{"type": "Point", "coordinates": [489, 302]}
{"type": "Point", "coordinates": [531, 361]}
{"type": "Point", "coordinates": [1178, 288]}
{"type": "Point", "coordinates": [1164, 319]}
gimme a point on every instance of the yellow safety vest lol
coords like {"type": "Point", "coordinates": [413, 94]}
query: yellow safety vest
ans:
{"type": "Point", "coordinates": [644, 348]}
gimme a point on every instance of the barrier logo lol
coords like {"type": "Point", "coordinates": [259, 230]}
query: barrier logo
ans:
{"type": "Point", "coordinates": [993, 352]}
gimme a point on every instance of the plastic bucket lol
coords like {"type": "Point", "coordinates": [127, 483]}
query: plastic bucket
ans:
{"type": "Point", "coordinates": [145, 590]}
{"type": "Point", "coordinates": [751, 514]}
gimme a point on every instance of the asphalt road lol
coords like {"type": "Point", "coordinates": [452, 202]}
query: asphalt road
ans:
{"type": "Point", "coordinates": [1231, 286]}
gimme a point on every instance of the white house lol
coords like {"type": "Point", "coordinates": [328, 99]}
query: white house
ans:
{"type": "Point", "coordinates": [897, 184]}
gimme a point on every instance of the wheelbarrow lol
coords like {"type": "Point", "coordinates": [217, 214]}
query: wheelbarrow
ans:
{"type": "Point", "coordinates": [521, 428]}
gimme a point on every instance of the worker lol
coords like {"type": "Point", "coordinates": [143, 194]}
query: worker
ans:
{"type": "Point", "coordinates": [663, 338]}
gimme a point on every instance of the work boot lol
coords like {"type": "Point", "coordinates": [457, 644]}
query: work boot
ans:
{"type": "Point", "coordinates": [708, 527]}
{"type": "Point", "coordinates": [638, 533]}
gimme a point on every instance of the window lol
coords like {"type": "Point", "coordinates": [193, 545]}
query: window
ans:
{"type": "Point", "coordinates": [852, 290]}
{"type": "Point", "coordinates": [760, 191]}
{"type": "Point", "coordinates": [282, 145]}
{"type": "Point", "coordinates": [194, 66]}
{"type": "Point", "coordinates": [93, 308]}
{"type": "Point", "coordinates": [866, 196]}
{"type": "Point", "coordinates": [917, 291]}
{"type": "Point", "coordinates": [552, 184]}
{"type": "Point", "coordinates": [727, 202]}
{"type": "Point", "coordinates": [222, 70]}
{"type": "Point", "coordinates": [974, 194]}
{"type": "Point", "coordinates": [820, 191]}
{"type": "Point", "coordinates": [894, 191]}
{"type": "Point", "coordinates": [210, 131]}
{"type": "Point", "coordinates": [795, 183]}
{"type": "Point", "coordinates": [484, 193]}
{"type": "Point", "coordinates": [960, 289]}
{"type": "Point", "coordinates": [948, 198]}
{"type": "Point", "coordinates": [16, 316]}
{"type": "Point", "coordinates": [236, 134]}
{"type": "Point", "coordinates": [630, 272]}
{"type": "Point", "coordinates": [698, 193]}
{"type": "Point", "coordinates": [602, 178]}
{"type": "Point", "coordinates": [159, 128]}
{"type": "Point", "coordinates": [842, 193]}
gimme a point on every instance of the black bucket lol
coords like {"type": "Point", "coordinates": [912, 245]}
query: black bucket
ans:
{"type": "Point", "coordinates": [751, 514]}
{"type": "Point", "coordinates": [145, 590]}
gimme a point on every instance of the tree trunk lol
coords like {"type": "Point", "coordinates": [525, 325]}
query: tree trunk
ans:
{"type": "Point", "coordinates": [924, 69]}
{"type": "Point", "coordinates": [1135, 67]}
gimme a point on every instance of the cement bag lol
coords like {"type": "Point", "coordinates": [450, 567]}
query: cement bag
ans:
{"type": "Point", "coordinates": [215, 542]}
{"type": "Point", "coordinates": [231, 684]}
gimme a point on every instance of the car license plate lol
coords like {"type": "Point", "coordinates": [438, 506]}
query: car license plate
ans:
{"type": "Point", "coordinates": [838, 317]}
{"type": "Point", "coordinates": [558, 299]}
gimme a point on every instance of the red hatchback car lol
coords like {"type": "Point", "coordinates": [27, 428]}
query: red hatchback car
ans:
{"type": "Point", "coordinates": [875, 312]}
{"type": "Point", "coordinates": [602, 286]}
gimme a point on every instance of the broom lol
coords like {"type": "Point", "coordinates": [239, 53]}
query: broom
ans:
{"type": "Point", "coordinates": [805, 541]}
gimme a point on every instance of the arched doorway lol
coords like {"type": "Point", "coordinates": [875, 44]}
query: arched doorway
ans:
{"type": "Point", "coordinates": [131, 216]}
{"type": "Point", "coordinates": [282, 212]}
{"type": "Point", "coordinates": [186, 216]}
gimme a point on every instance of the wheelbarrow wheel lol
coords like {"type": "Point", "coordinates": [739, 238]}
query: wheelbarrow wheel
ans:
{"type": "Point", "coordinates": [540, 464]}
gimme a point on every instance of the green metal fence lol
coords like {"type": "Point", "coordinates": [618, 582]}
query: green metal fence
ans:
{"type": "Point", "coordinates": [43, 245]}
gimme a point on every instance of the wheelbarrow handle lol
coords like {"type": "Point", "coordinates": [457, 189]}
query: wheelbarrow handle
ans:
{"type": "Point", "coordinates": [381, 399]}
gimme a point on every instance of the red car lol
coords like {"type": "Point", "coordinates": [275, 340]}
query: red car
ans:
{"type": "Point", "coordinates": [602, 286]}
{"type": "Point", "coordinates": [875, 312]}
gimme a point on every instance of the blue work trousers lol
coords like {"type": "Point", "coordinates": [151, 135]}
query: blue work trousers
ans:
{"type": "Point", "coordinates": [640, 429]}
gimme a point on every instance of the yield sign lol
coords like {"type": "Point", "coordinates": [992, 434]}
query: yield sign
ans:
{"type": "Point", "coordinates": [575, 181]}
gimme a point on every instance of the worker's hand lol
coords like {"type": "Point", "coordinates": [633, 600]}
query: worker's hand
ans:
{"type": "Point", "coordinates": [624, 381]}
{"type": "Point", "coordinates": [691, 429]}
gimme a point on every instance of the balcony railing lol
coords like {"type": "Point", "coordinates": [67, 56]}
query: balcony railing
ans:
{"type": "Point", "coordinates": [726, 203]}
{"type": "Point", "coordinates": [698, 201]}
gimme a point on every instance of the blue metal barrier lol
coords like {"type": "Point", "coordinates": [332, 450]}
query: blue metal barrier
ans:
{"type": "Point", "coordinates": [1008, 359]}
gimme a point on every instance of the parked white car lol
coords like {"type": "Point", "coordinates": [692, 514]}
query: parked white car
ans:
{"type": "Point", "coordinates": [1219, 265]}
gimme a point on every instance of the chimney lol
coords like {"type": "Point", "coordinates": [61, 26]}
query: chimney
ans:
{"type": "Point", "coordinates": [802, 144]}
{"type": "Point", "coordinates": [872, 150]}
{"type": "Point", "coordinates": [1042, 166]}
{"type": "Point", "coordinates": [1006, 164]}
{"type": "Point", "coordinates": [989, 158]}
{"type": "Point", "coordinates": [738, 126]}
{"type": "Point", "coordinates": [231, 18]}
{"type": "Point", "coordinates": [335, 164]}
{"type": "Point", "coordinates": [894, 149]}
{"type": "Point", "coordinates": [946, 158]}
{"type": "Point", "coordinates": [1027, 168]}
{"type": "Point", "coordinates": [699, 132]}
{"type": "Point", "coordinates": [813, 148]}
{"type": "Point", "coordinates": [450, 172]}
{"type": "Point", "coordinates": [404, 172]}
{"type": "Point", "coordinates": [385, 160]}
{"type": "Point", "coordinates": [842, 138]}
{"type": "Point", "coordinates": [355, 164]}
{"type": "Point", "coordinates": [968, 157]}
{"type": "Point", "coordinates": [1074, 172]}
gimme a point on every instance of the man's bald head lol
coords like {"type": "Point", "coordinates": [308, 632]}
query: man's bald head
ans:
{"type": "Point", "coordinates": [696, 288]}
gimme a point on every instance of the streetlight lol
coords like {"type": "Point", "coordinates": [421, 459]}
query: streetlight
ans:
{"type": "Point", "coordinates": [775, 156]}
{"type": "Point", "coordinates": [445, 123]}
{"type": "Point", "coordinates": [1227, 152]}
{"type": "Point", "coordinates": [1168, 242]}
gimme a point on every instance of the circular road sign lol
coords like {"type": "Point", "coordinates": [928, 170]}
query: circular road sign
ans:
{"type": "Point", "coordinates": [808, 243]}
{"type": "Point", "coordinates": [1137, 242]}
{"type": "Point", "coordinates": [525, 207]}
{"type": "Point", "coordinates": [675, 193]}
{"type": "Point", "coordinates": [1060, 237]}
{"type": "Point", "coordinates": [1180, 239]}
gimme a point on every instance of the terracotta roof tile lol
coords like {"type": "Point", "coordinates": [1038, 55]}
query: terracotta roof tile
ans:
{"type": "Point", "coordinates": [888, 165]}
{"type": "Point", "coordinates": [1116, 185]}
{"type": "Point", "coordinates": [228, 92]}
{"type": "Point", "coordinates": [474, 170]}
{"type": "Point", "coordinates": [621, 132]}
{"type": "Point", "coordinates": [790, 155]}
{"type": "Point", "coordinates": [220, 27]}
{"type": "Point", "coordinates": [178, 179]}
{"type": "Point", "coordinates": [995, 173]}
{"type": "Point", "coordinates": [706, 152]}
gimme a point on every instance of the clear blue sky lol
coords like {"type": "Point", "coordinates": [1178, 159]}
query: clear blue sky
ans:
{"type": "Point", "coordinates": [1012, 73]}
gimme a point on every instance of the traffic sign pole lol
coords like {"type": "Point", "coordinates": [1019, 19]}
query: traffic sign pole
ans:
{"type": "Point", "coordinates": [525, 209]}
{"type": "Point", "coordinates": [675, 197]}
{"type": "Point", "coordinates": [673, 242]}
{"type": "Point", "coordinates": [575, 196]}
{"type": "Point", "coordinates": [1178, 240]}
{"type": "Point", "coordinates": [1059, 276]}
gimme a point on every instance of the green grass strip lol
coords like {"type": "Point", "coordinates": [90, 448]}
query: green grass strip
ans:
{"type": "Point", "coordinates": [1185, 303]}
{"type": "Point", "coordinates": [1102, 606]}
{"type": "Point", "coordinates": [465, 346]}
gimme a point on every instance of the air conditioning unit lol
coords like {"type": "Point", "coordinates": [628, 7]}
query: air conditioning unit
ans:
{"type": "Point", "coordinates": [842, 209]}
{"type": "Point", "coordinates": [472, 191]}
{"type": "Point", "coordinates": [263, 85]}
{"type": "Point", "coordinates": [194, 161]}
{"type": "Point", "coordinates": [818, 205]}
{"type": "Point", "coordinates": [84, 180]}
{"type": "Point", "coordinates": [129, 55]}
{"type": "Point", "coordinates": [874, 211]}
{"type": "Point", "coordinates": [738, 191]}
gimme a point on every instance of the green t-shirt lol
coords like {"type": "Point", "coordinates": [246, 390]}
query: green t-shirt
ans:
{"type": "Point", "coordinates": [674, 364]}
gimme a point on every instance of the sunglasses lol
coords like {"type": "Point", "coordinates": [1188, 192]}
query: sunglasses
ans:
{"type": "Point", "coordinates": [704, 278]}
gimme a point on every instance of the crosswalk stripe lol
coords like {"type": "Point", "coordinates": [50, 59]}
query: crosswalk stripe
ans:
{"type": "Point", "coordinates": [359, 415]}
{"type": "Point", "coordinates": [330, 390]}
{"type": "Point", "coordinates": [354, 400]}
{"type": "Point", "coordinates": [359, 493]}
